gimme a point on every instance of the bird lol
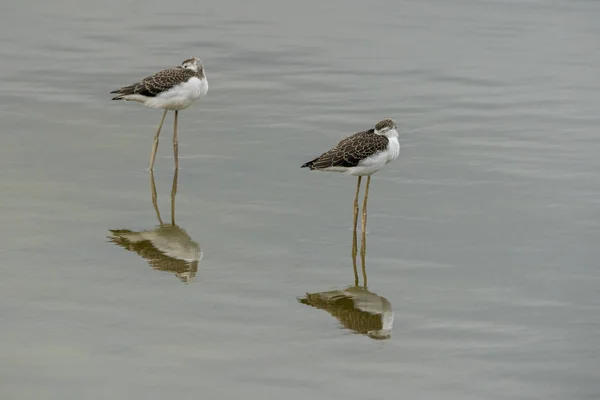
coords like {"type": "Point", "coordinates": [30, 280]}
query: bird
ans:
{"type": "Point", "coordinates": [170, 89]}
{"type": "Point", "coordinates": [361, 154]}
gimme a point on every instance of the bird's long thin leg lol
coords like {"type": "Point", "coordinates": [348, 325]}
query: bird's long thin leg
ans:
{"type": "Point", "coordinates": [363, 245]}
{"type": "Point", "coordinates": [154, 197]}
{"type": "Point", "coordinates": [173, 194]}
{"type": "Point", "coordinates": [354, 241]}
{"type": "Point", "coordinates": [354, 249]}
{"type": "Point", "coordinates": [175, 141]}
{"type": "Point", "coordinates": [155, 145]}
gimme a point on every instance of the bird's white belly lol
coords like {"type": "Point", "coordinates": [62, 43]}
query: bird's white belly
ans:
{"type": "Point", "coordinates": [181, 96]}
{"type": "Point", "coordinates": [374, 163]}
{"type": "Point", "coordinates": [370, 165]}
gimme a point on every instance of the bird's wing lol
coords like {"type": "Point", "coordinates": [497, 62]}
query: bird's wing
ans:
{"type": "Point", "coordinates": [350, 151]}
{"type": "Point", "coordinates": [157, 83]}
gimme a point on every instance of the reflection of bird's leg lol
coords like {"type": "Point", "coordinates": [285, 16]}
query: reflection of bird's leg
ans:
{"type": "Point", "coordinates": [363, 245]}
{"type": "Point", "coordinates": [362, 260]}
{"type": "Point", "coordinates": [354, 261]}
{"type": "Point", "coordinates": [354, 242]}
{"type": "Point", "coordinates": [154, 196]}
{"type": "Point", "coordinates": [175, 142]}
{"type": "Point", "coordinates": [173, 194]}
{"type": "Point", "coordinates": [155, 145]}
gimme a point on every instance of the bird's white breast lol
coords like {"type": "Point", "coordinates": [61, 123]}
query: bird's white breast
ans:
{"type": "Point", "coordinates": [203, 86]}
{"type": "Point", "coordinates": [181, 96]}
{"type": "Point", "coordinates": [374, 163]}
{"type": "Point", "coordinates": [393, 150]}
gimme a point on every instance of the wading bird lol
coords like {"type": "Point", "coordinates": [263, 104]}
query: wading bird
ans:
{"type": "Point", "coordinates": [361, 154]}
{"type": "Point", "coordinates": [170, 89]}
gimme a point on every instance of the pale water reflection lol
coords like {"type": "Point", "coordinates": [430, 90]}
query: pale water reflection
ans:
{"type": "Point", "coordinates": [356, 307]}
{"type": "Point", "coordinates": [167, 247]}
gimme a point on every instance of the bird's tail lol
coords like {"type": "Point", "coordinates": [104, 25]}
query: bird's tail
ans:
{"type": "Point", "coordinates": [124, 91]}
{"type": "Point", "coordinates": [310, 164]}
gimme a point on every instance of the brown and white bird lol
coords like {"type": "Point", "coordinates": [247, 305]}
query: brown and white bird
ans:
{"type": "Point", "coordinates": [361, 154]}
{"type": "Point", "coordinates": [170, 89]}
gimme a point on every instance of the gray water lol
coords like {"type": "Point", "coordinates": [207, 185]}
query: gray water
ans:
{"type": "Point", "coordinates": [483, 236]}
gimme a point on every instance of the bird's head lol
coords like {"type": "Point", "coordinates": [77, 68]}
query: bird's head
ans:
{"type": "Point", "coordinates": [193, 64]}
{"type": "Point", "coordinates": [386, 127]}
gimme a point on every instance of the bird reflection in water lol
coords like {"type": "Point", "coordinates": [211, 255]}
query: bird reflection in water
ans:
{"type": "Point", "coordinates": [356, 307]}
{"type": "Point", "coordinates": [166, 247]}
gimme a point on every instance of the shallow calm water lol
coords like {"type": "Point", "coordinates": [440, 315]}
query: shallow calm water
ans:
{"type": "Point", "coordinates": [482, 237]}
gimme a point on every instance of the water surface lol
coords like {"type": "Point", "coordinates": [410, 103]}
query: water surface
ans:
{"type": "Point", "coordinates": [482, 236]}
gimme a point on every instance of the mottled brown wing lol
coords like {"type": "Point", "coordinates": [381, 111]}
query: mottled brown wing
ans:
{"type": "Point", "coordinates": [350, 151]}
{"type": "Point", "coordinates": [157, 83]}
